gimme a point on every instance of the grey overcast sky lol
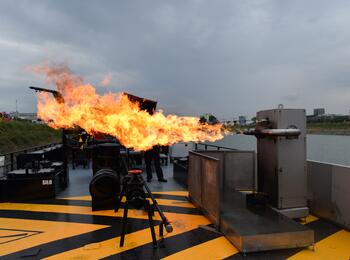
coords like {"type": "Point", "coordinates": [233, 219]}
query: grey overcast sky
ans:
{"type": "Point", "coordinates": [229, 57]}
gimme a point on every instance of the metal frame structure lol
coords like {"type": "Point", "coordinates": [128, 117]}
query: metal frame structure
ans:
{"type": "Point", "coordinates": [249, 226]}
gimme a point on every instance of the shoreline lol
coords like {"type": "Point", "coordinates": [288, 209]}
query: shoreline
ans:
{"type": "Point", "coordinates": [328, 132]}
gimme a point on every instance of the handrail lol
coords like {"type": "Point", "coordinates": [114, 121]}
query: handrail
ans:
{"type": "Point", "coordinates": [212, 145]}
{"type": "Point", "coordinates": [204, 156]}
{"type": "Point", "coordinates": [31, 148]}
{"type": "Point", "coordinates": [10, 161]}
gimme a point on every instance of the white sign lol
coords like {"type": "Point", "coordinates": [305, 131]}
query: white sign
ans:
{"type": "Point", "coordinates": [47, 182]}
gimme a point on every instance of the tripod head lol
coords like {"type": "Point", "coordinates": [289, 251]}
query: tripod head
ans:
{"type": "Point", "coordinates": [133, 187]}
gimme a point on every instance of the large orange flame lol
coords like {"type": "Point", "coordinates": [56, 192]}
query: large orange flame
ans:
{"type": "Point", "coordinates": [115, 114]}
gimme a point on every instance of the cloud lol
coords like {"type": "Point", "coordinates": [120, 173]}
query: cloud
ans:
{"type": "Point", "coordinates": [106, 80]}
{"type": "Point", "coordinates": [194, 57]}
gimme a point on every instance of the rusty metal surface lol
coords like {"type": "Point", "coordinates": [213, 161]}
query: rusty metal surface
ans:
{"type": "Point", "coordinates": [194, 178]}
{"type": "Point", "coordinates": [204, 184]}
{"type": "Point", "coordinates": [211, 189]}
{"type": "Point", "coordinates": [210, 171]}
{"type": "Point", "coordinates": [237, 168]}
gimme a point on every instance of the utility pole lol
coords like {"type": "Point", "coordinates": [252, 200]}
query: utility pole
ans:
{"type": "Point", "coordinates": [16, 109]}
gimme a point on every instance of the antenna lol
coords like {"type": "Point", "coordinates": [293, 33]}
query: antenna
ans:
{"type": "Point", "coordinates": [16, 108]}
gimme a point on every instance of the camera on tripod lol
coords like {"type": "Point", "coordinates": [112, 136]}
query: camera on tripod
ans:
{"type": "Point", "coordinates": [136, 191]}
{"type": "Point", "coordinates": [109, 186]}
{"type": "Point", "coordinates": [133, 188]}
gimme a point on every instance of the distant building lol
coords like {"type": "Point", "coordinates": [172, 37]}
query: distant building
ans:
{"type": "Point", "coordinates": [319, 111]}
{"type": "Point", "coordinates": [242, 120]}
{"type": "Point", "coordinates": [27, 116]}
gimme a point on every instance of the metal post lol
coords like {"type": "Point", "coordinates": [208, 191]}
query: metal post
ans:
{"type": "Point", "coordinates": [151, 225]}
{"type": "Point", "coordinates": [124, 224]}
{"type": "Point", "coordinates": [11, 156]}
{"type": "Point", "coordinates": [161, 229]}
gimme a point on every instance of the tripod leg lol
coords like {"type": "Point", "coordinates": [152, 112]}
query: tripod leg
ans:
{"type": "Point", "coordinates": [161, 241]}
{"type": "Point", "coordinates": [119, 202]}
{"type": "Point", "coordinates": [161, 230]}
{"type": "Point", "coordinates": [124, 224]}
{"type": "Point", "coordinates": [151, 225]}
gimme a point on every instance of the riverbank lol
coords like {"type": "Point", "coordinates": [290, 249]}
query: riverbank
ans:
{"type": "Point", "coordinates": [329, 128]}
{"type": "Point", "coordinates": [19, 135]}
{"type": "Point", "coordinates": [328, 132]}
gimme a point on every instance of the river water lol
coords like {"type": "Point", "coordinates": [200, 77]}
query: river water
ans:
{"type": "Point", "coordinates": [324, 148]}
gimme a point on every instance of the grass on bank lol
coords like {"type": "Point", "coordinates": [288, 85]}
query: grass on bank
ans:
{"type": "Point", "coordinates": [329, 125]}
{"type": "Point", "coordinates": [19, 135]}
{"type": "Point", "coordinates": [332, 128]}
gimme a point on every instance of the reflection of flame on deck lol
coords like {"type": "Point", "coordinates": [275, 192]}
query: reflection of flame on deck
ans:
{"type": "Point", "coordinates": [115, 114]}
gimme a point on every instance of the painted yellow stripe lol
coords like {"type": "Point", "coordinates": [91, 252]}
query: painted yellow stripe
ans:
{"type": "Point", "coordinates": [139, 214]}
{"type": "Point", "coordinates": [51, 231]}
{"type": "Point", "coordinates": [218, 248]}
{"type": "Point", "coordinates": [175, 193]}
{"type": "Point", "coordinates": [9, 235]}
{"type": "Point", "coordinates": [175, 203]}
{"type": "Point", "coordinates": [84, 198]}
{"type": "Point", "coordinates": [336, 246]}
{"type": "Point", "coordinates": [163, 202]}
{"type": "Point", "coordinates": [309, 219]}
{"type": "Point", "coordinates": [132, 240]}
{"type": "Point", "coordinates": [68, 209]}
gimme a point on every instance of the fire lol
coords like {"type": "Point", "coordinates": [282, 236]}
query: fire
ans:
{"type": "Point", "coordinates": [115, 115]}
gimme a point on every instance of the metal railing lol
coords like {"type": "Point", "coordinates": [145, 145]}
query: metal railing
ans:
{"type": "Point", "coordinates": [217, 147]}
{"type": "Point", "coordinates": [8, 161]}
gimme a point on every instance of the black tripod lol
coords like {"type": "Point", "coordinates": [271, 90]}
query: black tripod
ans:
{"type": "Point", "coordinates": [133, 190]}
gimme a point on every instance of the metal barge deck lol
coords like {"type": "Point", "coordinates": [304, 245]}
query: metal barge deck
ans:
{"type": "Point", "coordinates": [66, 228]}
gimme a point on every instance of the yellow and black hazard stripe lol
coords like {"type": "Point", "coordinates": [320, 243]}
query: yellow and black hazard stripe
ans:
{"type": "Point", "coordinates": [66, 228]}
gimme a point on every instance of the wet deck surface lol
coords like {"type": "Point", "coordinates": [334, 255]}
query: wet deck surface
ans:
{"type": "Point", "coordinates": [66, 228]}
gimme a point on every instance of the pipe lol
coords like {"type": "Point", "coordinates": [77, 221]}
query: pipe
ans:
{"type": "Point", "coordinates": [274, 132]}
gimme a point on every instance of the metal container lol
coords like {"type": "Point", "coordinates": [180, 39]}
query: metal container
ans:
{"type": "Point", "coordinates": [216, 180]}
{"type": "Point", "coordinates": [282, 171]}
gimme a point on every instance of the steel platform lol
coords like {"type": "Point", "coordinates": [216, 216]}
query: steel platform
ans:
{"type": "Point", "coordinates": [252, 227]}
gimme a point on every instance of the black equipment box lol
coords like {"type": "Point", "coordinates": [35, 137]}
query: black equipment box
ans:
{"type": "Point", "coordinates": [21, 185]}
{"type": "Point", "coordinates": [106, 156]}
